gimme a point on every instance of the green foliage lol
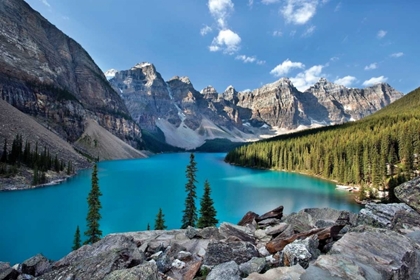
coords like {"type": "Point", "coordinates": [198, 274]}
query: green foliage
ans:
{"type": "Point", "coordinates": [190, 212]}
{"type": "Point", "coordinates": [4, 153]}
{"type": "Point", "coordinates": [93, 232]}
{"type": "Point", "coordinates": [207, 211]}
{"type": "Point", "coordinates": [369, 151]}
{"type": "Point", "coordinates": [77, 243]}
{"type": "Point", "coordinates": [160, 220]}
{"type": "Point", "coordinates": [148, 226]}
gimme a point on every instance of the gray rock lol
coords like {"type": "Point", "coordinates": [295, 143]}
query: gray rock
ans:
{"type": "Point", "coordinates": [164, 261]}
{"type": "Point", "coordinates": [296, 253]}
{"type": "Point", "coordinates": [210, 233]}
{"type": "Point", "coordinates": [220, 252]}
{"type": "Point", "coordinates": [280, 273]}
{"type": "Point", "coordinates": [191, 232]}
{"type": "Point", "coordinates": [25, 277]}
{"type": "Point", "coordinates": [8, 273]}
{"type": "Point", "coordinates": [253, 265]}
{"type": "Point", "coordinates": [225, 271]}
{"type": "Point", "coordinates": [409, 193]}
{"type": "Point", "coordinates": [380, 215]}
{"type": "Point", "coordinates": [184, 256]}
{"type": "Point", "coordinates": [277, 229]}
{"type": "Point", "coordinates": [242, 233]}
{"type": "Point", "coordinates": [146, 271]}
{"type": "Point", "coordinates": [269, 222]}
{"type": "Point", "coordinates": [36, 265]}
{"type": "Point", "coordinates": [114, 252]}
{"type": "Point", "coordinates": [406, 222]}
{"type": "Point", "coordinates": [262, 236]}
{"type": "Point", "coordinates": [371, 253]}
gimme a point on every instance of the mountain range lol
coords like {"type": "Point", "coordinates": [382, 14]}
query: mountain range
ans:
{"type": "Point", "coordinates": [188, 118]}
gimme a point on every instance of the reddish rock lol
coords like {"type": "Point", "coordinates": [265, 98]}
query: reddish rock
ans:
{"type": "Point", "coordinates": [275, 213]}
{"type": "Point", "coordinates": [191, 270]}
{"type": "Point", "coordinates": [248, 218]}
{"type": "Point", "coordinates": [278, 243]}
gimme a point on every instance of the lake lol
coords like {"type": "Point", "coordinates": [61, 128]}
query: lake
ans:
{"type": "Point", "coordinates": [44, 220]}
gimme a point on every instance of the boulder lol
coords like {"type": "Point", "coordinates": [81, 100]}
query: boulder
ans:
{"type": "Point", "coordinates": [189, 272]}
{"type": "Point", "coordinates": [380, 215]}
{"type": "Point", "coordinates": [276, 230]}
{"type": "Point", "coordinates": [269, 222]}
{"type": "Point", "coordinates": [114, 252]}
{"type": "Point", "coordinates": [36, 265]}
{"type": "Point", "coordinates": [242, 233]}
{"type": "Point", "coordinates": [146, 271]}
{"type": "Point", "coordinates": [7, 273]}
{"type": "Point", "coordinates": [278, 243]}
{"type": "Point", "coordinates": [248, 218]}
{"type": "Point", "coordinates": [191, 232]}
{"type": "Point", "coordinates": [280, 273]}
{"type": "Point", "coordinates": [225, 271]}
{"type": "Point", "coordinates": [253, 265]}
{"type": "Point", "coordinates": [406, 222]}
{"type": "Point", "coordinates": [220, 252]}
{"type": "Point", "coordinates": [371, 253]}
{"type": "Point", "coordinates": [184, 256]}
{"type": "Point", "coordinates": [209, 233]}
{"type": "Point", "coordinates": [409, 193]}
{"type": "Point", "coordinates": [276, 213]}
{"type": "Point", "coordinates": [165, 260]}
{"type": "Point", "coordinates": [301, 252]}
{"type": "Point", "coordinates": [262, 236]}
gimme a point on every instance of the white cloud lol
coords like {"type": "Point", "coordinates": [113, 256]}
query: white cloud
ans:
{"type": "Point", "coordinates": [371, 66]}
{"type": "Point", "coordinates": [45, 2]}
{"type": "Point", "coordinates": [250, 3]}
{"type": "Point", "coordinates": [338, 7]}
{"type": "Point", "coordinates": [334, 58]}
{"type": "Point", "coordinates": [381, 34]}
{"type": "Point", "coordinates": [375, 80]}
{"type": "Point", "coordinates": [227, 40]}
{"type": "Point", "coordinates": [299, 11]}
{"type": "Point", "coordinates": [284, 68]}
{"type": "Point", "coordinates": [206, 29]}
{"type": "Point", "coordinates": [309, 31]}
{"type": "Point", "coordinates": [345, 81]}
{"type": "Point", "coordinates": [267, 2]}
{"type": "Point", "coordinates": [249, 59]}
{"type": "Point", "coordinates": [246, 59]}
{"type": "Point", "coordinates": [277, 33]}
{"type": "Point", "coordinates": [307, 78]}
{"type": "Point", "coordinates": [398, 54]}
{"type": "Point", "coordinates": [220, 10]}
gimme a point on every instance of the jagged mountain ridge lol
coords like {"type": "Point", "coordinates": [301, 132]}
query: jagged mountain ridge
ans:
{"type": "Point", "coordinates": [188, 117]}
{"type": "Point", "coordinates": [48, 75]}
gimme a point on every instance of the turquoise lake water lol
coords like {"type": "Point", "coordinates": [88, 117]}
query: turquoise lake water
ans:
{"type": "Point", "coordinates": [44, 220]}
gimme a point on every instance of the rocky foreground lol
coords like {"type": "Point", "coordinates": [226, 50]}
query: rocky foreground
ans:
{"type": "Point", "coordinates": [381, 242]}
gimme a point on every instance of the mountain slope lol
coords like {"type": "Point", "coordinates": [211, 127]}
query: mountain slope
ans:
{"type": "Point", "coordinates": [376, 152]}
{"type": "Point", "coordinates": [46, 74]}
{"type": "Point", "coordinates": [189, 118]}
{"type": "Point", "coordinates": [15, 122]}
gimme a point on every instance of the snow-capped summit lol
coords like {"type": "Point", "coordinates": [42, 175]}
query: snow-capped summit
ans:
{"type": "Point", "coordinates": [110, 73]}
{"type": "Point", "coordinates": [142, 64]}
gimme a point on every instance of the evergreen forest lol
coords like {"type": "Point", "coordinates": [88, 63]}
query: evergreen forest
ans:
{"type": "Point", "coordinates": [376, 153]}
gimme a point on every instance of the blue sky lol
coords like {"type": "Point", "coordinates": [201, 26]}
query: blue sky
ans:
{"type": "Point", "coordinates": [249, 43]}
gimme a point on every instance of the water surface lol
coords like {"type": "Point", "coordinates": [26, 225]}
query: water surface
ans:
{"type": "Point", "coordinates": [44, 220]}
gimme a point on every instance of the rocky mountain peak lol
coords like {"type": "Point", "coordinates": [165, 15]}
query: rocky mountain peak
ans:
{"type": "Point", "coordinates": [143, 64]}
{"type": "Point", "coordinates": [110, 73]}
{"type": "Point", "coordinates": [209, 92]}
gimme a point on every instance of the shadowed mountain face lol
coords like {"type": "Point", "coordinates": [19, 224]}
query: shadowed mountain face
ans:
{"type": "Point", "coordinates": [188, 117]}
{"type": "Point", "coordinates": [46, 74]}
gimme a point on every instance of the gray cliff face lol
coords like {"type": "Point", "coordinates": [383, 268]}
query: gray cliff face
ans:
{"type": "Point", "coordinates": [240, 116]}
{"type": "Point", "coordinates": [48, 75]}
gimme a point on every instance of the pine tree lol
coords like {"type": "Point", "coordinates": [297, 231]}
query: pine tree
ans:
{"type": "Point", "coordinates": [160, 220]}
{"type": "Point", "coordinates": [148, 226]}
{"type": "Point", "coordinates": [190, 212]}
{"type": "Point", "coordinates": [77, 242]}
{"type": "Point", "coordinates": [94, 205]}
{"type": "Point", "coordinates": [35, 178]}
{"type": "Point", "coordinates": [207, 210]}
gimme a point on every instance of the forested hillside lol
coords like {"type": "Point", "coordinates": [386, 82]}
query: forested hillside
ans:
{"type": "Point", "coordinates": [376, 153]}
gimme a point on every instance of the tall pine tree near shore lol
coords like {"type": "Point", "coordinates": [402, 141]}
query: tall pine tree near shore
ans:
{"type": "Point", "coordinates": [94, 205]}
{"type": "Point", "coordinates": [76, 242]}
{"type": "Point", "coordinates": [160, 220]}
{"type": "Point", "coordinates": [207, 210]}
{"type": "Point", "coordinates": [190, 212]}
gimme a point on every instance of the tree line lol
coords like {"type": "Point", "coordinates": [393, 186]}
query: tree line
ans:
{"type": "Point", "coordinates": [190, 217]}
{"type": "Point", "coordinates": [377, 152]}
{"type": "Point", "coordinates": [40, 160]}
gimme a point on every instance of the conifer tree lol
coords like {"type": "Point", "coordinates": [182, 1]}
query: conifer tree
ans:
{"type": "Point", "coordinates": [77, 242]}
{"type": "Point", "coordinates": [190, 212]}
{"type": "Point", "coordinates": [207, 210]}
{"type": "Point", "coordinates": [160, 220]}
{"type": "Point", "coordinates": [94, 205]}
{"type": "Point", "coordinates": [35, 178]}
{"type": "Point", "coordinates": [148, 226]}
